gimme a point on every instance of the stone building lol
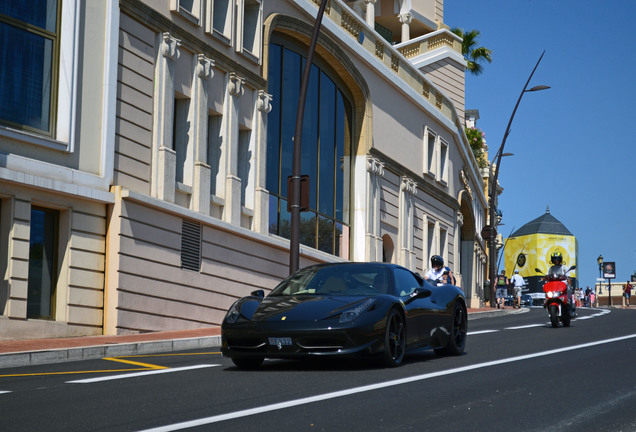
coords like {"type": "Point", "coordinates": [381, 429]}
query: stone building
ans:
{"type": "Point", "coordinates": [143, 183]}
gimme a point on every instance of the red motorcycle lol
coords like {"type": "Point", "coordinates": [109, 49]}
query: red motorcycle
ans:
{"type": "Point", "coordinates": [557, 296]}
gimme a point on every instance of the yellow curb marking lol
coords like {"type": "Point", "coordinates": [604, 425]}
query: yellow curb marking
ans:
{"type": "Point", "coordinates": [144, 366]}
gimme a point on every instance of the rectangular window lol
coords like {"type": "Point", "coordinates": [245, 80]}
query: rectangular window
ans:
{"type": "Point", "coordinates": [29, 55]}
{"type": "Point", "coordinates": [443, 161]}
{"type": "Point", "coordinates": [42, 263]}
{"type": "Point", "coordinates": [443, 241]}
{"type": "Point", "coordinates": [219, 19]}
{"type": "Point", "coordinates": [214, 152]}
{"type": "Point", "coordinates": [431, 240]}
{"type": "Point", "coordinates": [189, 9]}
{"type": "Point", "coordinates": [252, 27]}
{"type": "Point", "coordinates": [182, 145]}
{"type": "Point", "coordinates": [245, 173]}
{"type": "Point", "coordinates": [430, 155]}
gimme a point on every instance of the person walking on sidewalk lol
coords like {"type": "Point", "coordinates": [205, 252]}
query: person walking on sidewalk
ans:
{"type": "Point", "coordinates": [627, 292]}
{"type": "Point", "coordinates": [502, 289]}
{"type": "Point", "coordinates": [518, 283]}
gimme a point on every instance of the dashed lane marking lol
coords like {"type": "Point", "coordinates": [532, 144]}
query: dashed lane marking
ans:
{"type": "Point", "coordinates": [482, 332]}
{"type": "Point", "coordinates": [139, 374]}
{"type": "Point", "coordinates": [524, 326]}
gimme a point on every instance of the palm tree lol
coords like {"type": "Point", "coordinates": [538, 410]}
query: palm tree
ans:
{"type": "Point", "coordinates": [472, 54]}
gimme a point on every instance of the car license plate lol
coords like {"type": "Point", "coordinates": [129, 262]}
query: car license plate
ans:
{"type": "Point", "coordinates": [280, 341]}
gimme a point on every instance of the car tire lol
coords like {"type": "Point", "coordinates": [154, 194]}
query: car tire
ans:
{"type": "Point", "coordinates": [248, 362]}
{"type": "Point", "coordinates": [458, 333]}
{"type": "Point", "coordinates": [394, 339]}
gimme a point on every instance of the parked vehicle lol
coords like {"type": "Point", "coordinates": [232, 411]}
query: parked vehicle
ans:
{"type": "Point", "coordinates": [556, 293]}
{"type": "Point", "coordinates": [346, 309]}
{"type": "Point", "coordinates": [526, 300]}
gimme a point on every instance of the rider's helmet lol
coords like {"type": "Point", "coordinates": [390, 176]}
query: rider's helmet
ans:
{"type": "Point", "coordinates": [556, 257]}
{"type": "Point", "coordinates": [437, 261]}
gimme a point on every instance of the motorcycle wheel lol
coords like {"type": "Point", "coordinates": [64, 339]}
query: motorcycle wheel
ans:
{"type": "Point", "coordinates": [566, 320]}
{"type": "Point", "coordinates": [554, 316]}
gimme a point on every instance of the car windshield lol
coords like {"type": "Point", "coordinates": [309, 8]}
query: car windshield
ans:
{"type": "Point", "coordinates": [338, 280]}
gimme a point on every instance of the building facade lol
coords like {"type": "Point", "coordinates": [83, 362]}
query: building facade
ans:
{"type": "Point", "coordinates": [151, 192]}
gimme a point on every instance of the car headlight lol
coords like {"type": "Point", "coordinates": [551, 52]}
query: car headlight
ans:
{"type": "Point", "coordinates": [351, 314]}
{"type": "Point", "coordinates": [233, 314]}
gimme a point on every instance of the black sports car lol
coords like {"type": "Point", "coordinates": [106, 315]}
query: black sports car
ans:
{"type": "Point", "coordinates": [346, 309]}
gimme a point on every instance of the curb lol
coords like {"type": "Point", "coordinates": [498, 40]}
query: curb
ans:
{"type": "Point", "coordinates": [124, 349]}
{"type": "Point", "coordinates": [496, 312]}
{"type": "Point", "coordinates": [31, 358]}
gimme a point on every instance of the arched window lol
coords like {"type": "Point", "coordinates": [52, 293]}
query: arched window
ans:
{"type": "Point", "coordinates": [326, 151]}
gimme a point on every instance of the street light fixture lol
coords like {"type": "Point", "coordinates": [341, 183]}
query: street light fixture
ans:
{"type": "Point", "coordinates": [492, 231]}
{"type": "Point", "coordinates": [599, 260]}
{"type": "Point", "coordinates": [294, 240]}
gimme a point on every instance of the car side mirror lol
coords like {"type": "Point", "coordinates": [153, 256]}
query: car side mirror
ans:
{"type": "Point", "coordinates": [258, 293]}
{"type": "Point", "coordinates": [419, 293]}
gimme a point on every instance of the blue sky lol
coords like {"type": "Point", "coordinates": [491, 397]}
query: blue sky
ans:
{"type": "Point", "coordinates": [573, 144]}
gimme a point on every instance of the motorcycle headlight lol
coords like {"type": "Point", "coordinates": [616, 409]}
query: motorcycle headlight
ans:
{"type": "Point", "coordinates": [549, 294]}
{"type": "Point", "coordinates": [233, 314]}
{"type": "Point", "coordinates": [351, 314]}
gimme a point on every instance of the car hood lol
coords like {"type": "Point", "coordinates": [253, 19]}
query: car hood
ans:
{"type": "Point", "coordinates": [300, 308]}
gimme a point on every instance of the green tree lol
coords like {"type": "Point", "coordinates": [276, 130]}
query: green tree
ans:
{"type": "Point", "coordinates": [476, 140]}
{"type": "Point", "coordinates": [474, 55]}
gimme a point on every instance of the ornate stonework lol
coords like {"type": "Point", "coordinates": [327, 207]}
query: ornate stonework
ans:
{"type": "Point", "coordinates": [170, 46]}
{"type": "Point", "coordinates": [374, 166]}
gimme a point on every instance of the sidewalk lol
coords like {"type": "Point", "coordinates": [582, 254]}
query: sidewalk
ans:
{"type": "Point", "coordinates": [15, 353]}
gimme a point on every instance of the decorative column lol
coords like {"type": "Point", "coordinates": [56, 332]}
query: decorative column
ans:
{"type": "Point", "coordinates": [408, 189]}
{"type": "Point", "coordinates": [459, 223]}
{"type": "Point", "coordinates": [15, 266]}
{"type": "Point", "coordinates": [199, 134]}
{"type": "Point", "coordinates": [164, 158]}
{"type": "Point", "coordinates": [370, 12]}
{"type": "Point", "coordinates": [373, 246]}
{"type": "Point", "coordinates": [405, 19]}
{"type": "Point", "coordinates": [261, 194]}
{"type": "Point", "coordinates": [232, 208]}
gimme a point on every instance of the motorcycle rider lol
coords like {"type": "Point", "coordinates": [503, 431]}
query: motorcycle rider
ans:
{"type": "Point", "coordinates": [559, 271]}
{"type": "Point", "coordinates": [439, 272]}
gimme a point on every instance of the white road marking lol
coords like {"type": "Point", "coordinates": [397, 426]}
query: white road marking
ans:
{"type": "Point", "coordinates": [524, 326]}
{"type": "Point", "coordinates": [371, 387]}
{"type": "Point", "coordinates": [600, 312]}
{"type": "Point", "coordinates": [4, 391]}
{"type": "Point", "coordinates": [481, 332]}
{"type": "Point", "coordinates": [138, 374]}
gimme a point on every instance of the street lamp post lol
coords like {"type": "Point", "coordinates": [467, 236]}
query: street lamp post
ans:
{"type": "Point", "coordinates": [493, 189]}
{"type": "Point", "coordinates": [294, 240]}
{"type": "Point", "coordinates": [599, 260]}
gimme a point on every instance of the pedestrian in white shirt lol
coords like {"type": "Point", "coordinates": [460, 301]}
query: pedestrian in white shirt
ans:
{"type": "Point", "coordinates": [518, 283]}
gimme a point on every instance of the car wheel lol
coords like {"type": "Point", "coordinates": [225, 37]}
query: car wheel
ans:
{"type": "Point", "coordinates": [394, 339]}
{"type": "Point", "coordinates": [248, 362]}
{"type": "Point", "coordinates": [458, 332]}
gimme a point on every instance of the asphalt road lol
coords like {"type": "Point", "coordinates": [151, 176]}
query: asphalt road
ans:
{"type": "Point", "coordinates": [518, 373]}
